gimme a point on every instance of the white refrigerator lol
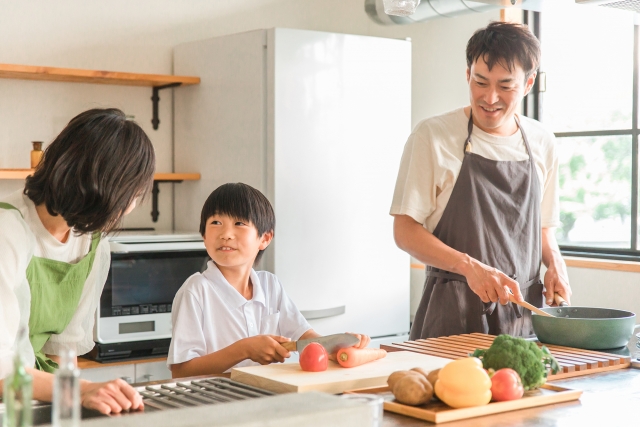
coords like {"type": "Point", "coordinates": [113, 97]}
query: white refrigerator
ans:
{"type": "Point", "coordinates": [316, 121]}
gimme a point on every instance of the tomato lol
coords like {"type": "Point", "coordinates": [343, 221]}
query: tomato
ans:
{"type": "Point", "coordinates": [506, 385]}
{"type": "Point", "coordinates": [314, 358]}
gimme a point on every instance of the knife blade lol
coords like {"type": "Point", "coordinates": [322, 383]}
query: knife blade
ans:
{"type": "Point", "coordinates": [332, 343]}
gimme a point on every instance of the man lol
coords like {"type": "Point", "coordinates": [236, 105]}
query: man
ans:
{"type": "Point", "coordinates": [476, 198]}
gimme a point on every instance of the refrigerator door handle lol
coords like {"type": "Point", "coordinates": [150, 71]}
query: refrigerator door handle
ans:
{"type": "Point", "coordinates": [324, 312]}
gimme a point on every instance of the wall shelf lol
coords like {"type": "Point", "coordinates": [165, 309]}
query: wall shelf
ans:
{"type": "Point", "coordinates": [74, 75]}
{"type": "Point", "coordinates": [157, 179]}
{"type": "Point", "coordinates": [161, 176]}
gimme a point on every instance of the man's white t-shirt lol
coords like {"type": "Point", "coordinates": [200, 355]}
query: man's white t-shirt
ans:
{"type": "Point", "coordinates": [433, 157]}
{"type": "Point", "coordinates": [23, 236]}
{"type": "Point", "coordinates": [208, 314]}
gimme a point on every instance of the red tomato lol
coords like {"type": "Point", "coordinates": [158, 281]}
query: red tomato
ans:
{"type": "Point", "coordinates": [506, 385]}
{"type": "Point", "coordinates": [314, 358]}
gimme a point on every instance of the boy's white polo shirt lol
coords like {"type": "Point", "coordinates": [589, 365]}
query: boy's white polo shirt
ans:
{"type": "Point", "coordinates": [208, 314]}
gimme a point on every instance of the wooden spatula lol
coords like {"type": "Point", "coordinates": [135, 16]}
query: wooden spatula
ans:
{"type": "Point", "coordinates": [526, 305]}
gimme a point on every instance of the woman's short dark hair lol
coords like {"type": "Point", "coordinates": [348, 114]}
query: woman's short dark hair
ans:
{"type": "Point", "coordinates": [94, 170]}
{"type": "Point", "coordinates": [506, 44]}
{"type": "Point", "coordinates": [242, 202]}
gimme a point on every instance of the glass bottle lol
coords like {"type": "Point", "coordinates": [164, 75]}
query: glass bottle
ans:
{"type": "Point", "coordinates": [17, 392]}
{"type": "Point", "coordinates": [66, 392]}
{"type": "Point", "coordinates": [36, 153]}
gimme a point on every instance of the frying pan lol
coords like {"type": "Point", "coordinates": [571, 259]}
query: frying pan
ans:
{"type": "Point", "coordinates": [584, 327]}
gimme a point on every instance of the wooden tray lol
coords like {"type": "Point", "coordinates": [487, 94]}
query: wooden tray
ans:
{"type": "Point", "coordinates": [438, 412]}
{"type": "Point", "coordinates": [573, 361]}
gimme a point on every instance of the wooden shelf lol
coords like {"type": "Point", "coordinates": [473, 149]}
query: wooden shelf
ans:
{"type": "Point", "coordinates": [23, 173]}
{"type": "Point", "coordinates": [30, 72]}
{"type": "Point", "coordinates": [176, 177]}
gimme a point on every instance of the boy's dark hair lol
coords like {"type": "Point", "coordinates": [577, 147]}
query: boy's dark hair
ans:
{"type": "Point", "coordinates": [505, 43]}
{"type": "Point", "coordinates": [242, 202]}
{"type": "Point", "coordinates": [94, 170]}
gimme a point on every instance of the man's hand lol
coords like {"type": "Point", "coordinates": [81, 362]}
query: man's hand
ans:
{"type": "Point", "coordinates": [556, 280]}
{"type": "Point", "coordinates": [266, 349]}
{"type": "Point", "coordinates": [111, 397]}
{"type": "Point", "coordinates": [489, 283]}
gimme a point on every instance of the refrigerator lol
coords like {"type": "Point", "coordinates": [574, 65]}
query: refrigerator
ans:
{"type": "Point", "coordinates": [316, 121]}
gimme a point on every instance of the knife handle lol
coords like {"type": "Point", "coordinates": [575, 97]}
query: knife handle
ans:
{"type": "Point", "coordinates": [291, 345]}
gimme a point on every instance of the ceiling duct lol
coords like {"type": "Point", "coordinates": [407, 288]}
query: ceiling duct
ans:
{"type": "Point", "coordinates": [428, 9]}
{"type": "Point", "coordinates": [632, 5]}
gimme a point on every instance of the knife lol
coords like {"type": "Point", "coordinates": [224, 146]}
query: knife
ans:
{"type": "Point", "coordinates": [331, 343]}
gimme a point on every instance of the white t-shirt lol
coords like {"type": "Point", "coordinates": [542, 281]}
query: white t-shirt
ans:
{"type": "Point", "coordinates": [20, 239]}
{"type": "Point", "coordinates": [208, 314]}
{"type": "Point", "coordinates": [433, 157]}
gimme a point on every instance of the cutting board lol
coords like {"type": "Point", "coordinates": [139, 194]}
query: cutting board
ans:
{"type": "Point", "coordinates": [289, 378]}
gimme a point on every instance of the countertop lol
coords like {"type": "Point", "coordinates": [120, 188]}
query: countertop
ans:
{"type": "Point", "coordinates": [608, 399]}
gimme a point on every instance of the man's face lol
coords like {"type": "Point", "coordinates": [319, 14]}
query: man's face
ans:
{"type": "Point", "coordinates": [495, 95]}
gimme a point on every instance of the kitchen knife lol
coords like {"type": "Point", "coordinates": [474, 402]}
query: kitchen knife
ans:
{"type": "Point", "coordinates": [331, 343]}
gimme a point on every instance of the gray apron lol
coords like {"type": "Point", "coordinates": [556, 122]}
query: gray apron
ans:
{"type": "Point", "coordinates": [493, 215]}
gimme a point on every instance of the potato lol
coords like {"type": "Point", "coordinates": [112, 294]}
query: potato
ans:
{"type": "Point", "coordinates": [395, 376]}
{"type": "Point", "coordinates": [413, 390]}
{"type": "Point", "coordinates": [433, 377]}
{"type": "Point", "coordinates": [421, 372]}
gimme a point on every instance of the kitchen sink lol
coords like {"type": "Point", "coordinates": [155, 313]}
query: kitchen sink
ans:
{"type": "Point", "coordinates": [42, 413]}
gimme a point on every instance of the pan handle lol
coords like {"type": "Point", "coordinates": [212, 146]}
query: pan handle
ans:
{"type": "Point", "coordinates": [559, 300]}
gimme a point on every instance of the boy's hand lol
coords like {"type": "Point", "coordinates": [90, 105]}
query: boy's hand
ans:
{"type": "Point", "coordinates": [364, 340]}
{"type": "Point", "coordinates": [266, 349]}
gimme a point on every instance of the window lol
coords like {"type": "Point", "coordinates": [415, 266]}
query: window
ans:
{"type": "Point", "coordinates": [590, 67]}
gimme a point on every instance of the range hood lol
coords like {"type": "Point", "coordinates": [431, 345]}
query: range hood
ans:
{"type": "Point", "coordinates": [432, 9]}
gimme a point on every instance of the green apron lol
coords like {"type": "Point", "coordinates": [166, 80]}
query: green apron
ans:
{"type": "Point", "coordinates": [56, 288]}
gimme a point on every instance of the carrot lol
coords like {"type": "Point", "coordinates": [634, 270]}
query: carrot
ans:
{"type": "Point", "coordinates": [352, 357]}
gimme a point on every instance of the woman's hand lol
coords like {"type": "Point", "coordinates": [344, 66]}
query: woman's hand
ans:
{"type": "Point", "coordinates": [111, 397]}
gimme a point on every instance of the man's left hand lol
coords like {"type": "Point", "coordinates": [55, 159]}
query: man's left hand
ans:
{"type": "Point", "coordinates": [556, 281]}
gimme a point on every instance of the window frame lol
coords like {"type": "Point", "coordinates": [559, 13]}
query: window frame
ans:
{"type": "Point", "coordinates": [532, 107]}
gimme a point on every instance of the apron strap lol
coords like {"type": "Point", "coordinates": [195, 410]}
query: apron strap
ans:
{"type": "Point", "coordinates": [8, 206]}
{"type": "Point", "coordinates": [467, 142]}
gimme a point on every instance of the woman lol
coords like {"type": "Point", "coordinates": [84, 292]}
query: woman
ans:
{"type": "Point", "coordinates": [55, 259]}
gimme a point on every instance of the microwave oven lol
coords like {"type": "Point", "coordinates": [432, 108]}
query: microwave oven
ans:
{"type": "Point", "coordinates": [133, 318]}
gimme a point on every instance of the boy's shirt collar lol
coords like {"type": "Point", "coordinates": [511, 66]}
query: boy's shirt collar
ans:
{"type": "Point", "coordinates": [228, 293]}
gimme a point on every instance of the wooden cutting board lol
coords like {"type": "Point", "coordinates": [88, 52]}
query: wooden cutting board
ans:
{"type": "Point", "coordinates": [289, 378]}
{"type": "Point", "coordinates": [573, 361]}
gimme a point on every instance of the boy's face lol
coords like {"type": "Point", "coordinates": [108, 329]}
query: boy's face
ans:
{"type": "Point", "coordinates": [233, 243]}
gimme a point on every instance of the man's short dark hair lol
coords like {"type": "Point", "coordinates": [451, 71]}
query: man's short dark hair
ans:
{"type": "Point", "coordinates": [93, 171]}
{"type": "Point", "coordinates": [506, 44]}
{"type": "Point", "coordinates": [242, 202]}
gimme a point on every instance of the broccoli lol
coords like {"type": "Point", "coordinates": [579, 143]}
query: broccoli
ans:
{"type": "Point", "coordinates": [524, 357]}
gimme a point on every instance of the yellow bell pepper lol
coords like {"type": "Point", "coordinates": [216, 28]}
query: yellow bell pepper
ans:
{"type": "Point", "coordinates": [464, 383]}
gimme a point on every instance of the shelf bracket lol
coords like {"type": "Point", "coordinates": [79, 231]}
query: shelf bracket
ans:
{"type": "Point", "coordinates": [155, 99]}
{"type": "Point", "coordinates": [155, 213]}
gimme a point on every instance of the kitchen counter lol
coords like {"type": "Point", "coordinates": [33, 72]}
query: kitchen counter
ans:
{"type": "Point", "coordinates": [607, 399]}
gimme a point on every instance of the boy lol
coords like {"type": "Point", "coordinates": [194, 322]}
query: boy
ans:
{"type": "Point", "coordinates": [231, 315]}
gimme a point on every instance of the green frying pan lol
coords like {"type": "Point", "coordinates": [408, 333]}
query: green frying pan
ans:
{"type": "Point", "coordinates": [584, 327]}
